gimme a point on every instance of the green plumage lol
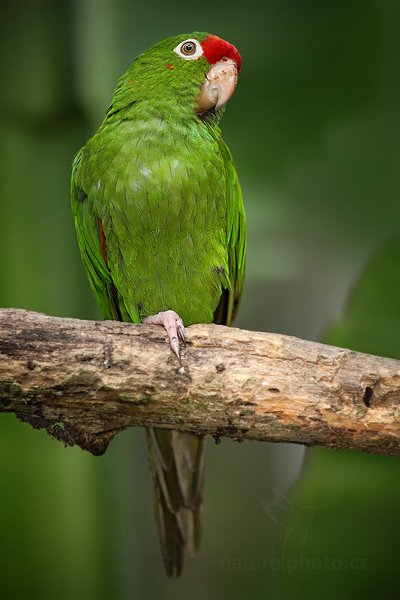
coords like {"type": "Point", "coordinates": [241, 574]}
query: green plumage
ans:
{"type": "Point", "coordinates": [160, 224]}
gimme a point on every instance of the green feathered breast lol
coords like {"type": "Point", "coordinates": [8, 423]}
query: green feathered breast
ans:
{"type": "Point", "coordinates": [160, 223]}
{"type": "Point", "coordinates": [167, 200]}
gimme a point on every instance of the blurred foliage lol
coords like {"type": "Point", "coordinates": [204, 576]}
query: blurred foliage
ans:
{"type": "Point", "coordinates": [371, 322]}
{"type": "Point", "coordinates": [314, 129]}
{"type": "Point", "coordinates": [344, 534]}
{"type": "Point", "coordinates": [342, 537]}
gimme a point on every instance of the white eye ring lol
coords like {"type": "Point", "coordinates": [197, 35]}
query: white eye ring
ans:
{"type": "Point", "coordinates": [189, 49]}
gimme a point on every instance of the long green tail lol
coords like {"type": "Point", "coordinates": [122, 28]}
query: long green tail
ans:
{"type": "Point", "coordinates": [177, 466]}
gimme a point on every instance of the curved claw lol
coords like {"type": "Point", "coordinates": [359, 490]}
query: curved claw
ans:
{"type": "Point", "coordinates": [174, 327]}
{"type": "Point", "coordinates": [181, 331]}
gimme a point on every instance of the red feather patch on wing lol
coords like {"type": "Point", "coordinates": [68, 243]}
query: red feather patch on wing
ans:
{"type": "Point", "coordinates": [215, 49]}
{"type": "Point", "coordinates": [103, 241]}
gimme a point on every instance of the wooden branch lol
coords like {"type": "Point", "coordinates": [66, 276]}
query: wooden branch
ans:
{"type": "Point", "coordinates": [85, 381]}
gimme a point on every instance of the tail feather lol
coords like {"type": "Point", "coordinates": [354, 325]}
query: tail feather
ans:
{"type": "Point", "coordinates": [177, 466]}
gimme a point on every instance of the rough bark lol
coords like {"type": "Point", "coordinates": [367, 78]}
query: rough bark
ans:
{"type": "Point", "coordinates": [85, 381]}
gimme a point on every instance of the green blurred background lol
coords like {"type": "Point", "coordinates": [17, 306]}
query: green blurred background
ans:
{"type": "Point", "coordinates": [315, 132]}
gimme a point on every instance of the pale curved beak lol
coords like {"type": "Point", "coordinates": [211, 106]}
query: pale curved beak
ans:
{"type": "Point", "coordinates": [219, 84]}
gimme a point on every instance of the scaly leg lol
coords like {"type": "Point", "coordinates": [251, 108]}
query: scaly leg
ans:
{"type": "Point", "coordinates": [174, 327]}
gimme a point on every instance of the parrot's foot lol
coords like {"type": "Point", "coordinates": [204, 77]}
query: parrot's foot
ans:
{"type": "Point", "coordinates": [174, 327]}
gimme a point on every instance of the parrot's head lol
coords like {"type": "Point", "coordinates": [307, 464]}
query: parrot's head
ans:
{"type": "Point", "coordinates": [196, 71]}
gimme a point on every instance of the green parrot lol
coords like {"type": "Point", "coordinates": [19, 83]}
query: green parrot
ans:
{"type": "Point", "coordinates": [161, 228]}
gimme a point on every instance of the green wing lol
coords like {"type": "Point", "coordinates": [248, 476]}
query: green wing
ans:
{"type": "Point", "coordinates": [92, 247]}
{"type": "Point", "coordinates": [235, 239]}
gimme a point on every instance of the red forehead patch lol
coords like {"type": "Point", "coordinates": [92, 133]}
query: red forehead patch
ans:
{"type": "Point", "coordinates": [215, 49]}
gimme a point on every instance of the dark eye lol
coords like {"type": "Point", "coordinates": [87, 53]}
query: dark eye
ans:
{"type": "Point", "coordinates": [188, 48]}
